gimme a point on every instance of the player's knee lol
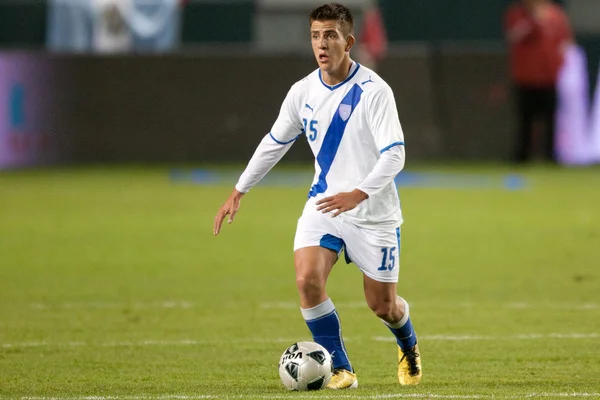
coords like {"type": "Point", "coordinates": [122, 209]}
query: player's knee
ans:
{"type": "Point", "coordinates": [384, 309]}
{"type": "Point", "coordinates": [309, 284]}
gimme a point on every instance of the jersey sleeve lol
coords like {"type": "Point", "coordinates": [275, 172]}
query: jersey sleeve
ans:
{"type": "Point", "coordinates": [384, 121]}
{"type": "Point", "coordinates": [288, 126]}
{"type": "Point", "coordinates": [267, 154]}
{"type": "Point", "coordinates": [388, 166]}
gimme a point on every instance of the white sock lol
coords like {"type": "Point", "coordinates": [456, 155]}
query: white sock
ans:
{"type": "Point", "coordinates": [402, 322]}
{"type": "Point", "coordinates": [318, 311]}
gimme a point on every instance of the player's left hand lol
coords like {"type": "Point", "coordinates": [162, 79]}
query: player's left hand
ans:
{"type": "Point", "coordinates": [341, 202]}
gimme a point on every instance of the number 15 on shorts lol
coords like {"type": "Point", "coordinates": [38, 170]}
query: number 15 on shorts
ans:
{"type": "Point", "coordinates": [388, 260]}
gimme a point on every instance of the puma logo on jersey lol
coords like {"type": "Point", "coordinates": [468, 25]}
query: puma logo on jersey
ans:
{"type": "Point", "coordinates": [370, 80]}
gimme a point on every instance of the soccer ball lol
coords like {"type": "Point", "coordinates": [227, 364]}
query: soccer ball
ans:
{"type": "Point", "coordinates": [305, 366]}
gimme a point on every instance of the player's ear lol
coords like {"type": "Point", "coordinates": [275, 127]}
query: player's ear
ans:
{"type": "Point", "coordinates": [350, 40]}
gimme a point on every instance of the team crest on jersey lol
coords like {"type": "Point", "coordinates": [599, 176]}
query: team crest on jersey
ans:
{"type": "Point", "coordinates": [345, 111]}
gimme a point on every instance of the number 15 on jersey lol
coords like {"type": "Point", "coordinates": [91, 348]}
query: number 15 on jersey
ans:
{"type": "Point", "coordinates": [313, 129]}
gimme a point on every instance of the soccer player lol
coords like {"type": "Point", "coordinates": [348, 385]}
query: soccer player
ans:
{"type": "Point", "coordinates": [348, 115]}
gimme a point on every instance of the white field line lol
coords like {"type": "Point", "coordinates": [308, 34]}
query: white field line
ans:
{"type": "Point", "coordinates": [390, 338]}
{"type": "Point", "coordinates": [102, 305]}
{"type": "Point", "coordinates": [142, 343]}
{"type": "Point", "coordinates": [324, 396]}
{"type": "Point", "coordinates": [525, 336]}
{"type": "Point", "coordinates": [290, 305]}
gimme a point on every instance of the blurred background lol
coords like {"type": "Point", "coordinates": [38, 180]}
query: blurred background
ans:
{"type": "Point", "coordinates": [101, 81]}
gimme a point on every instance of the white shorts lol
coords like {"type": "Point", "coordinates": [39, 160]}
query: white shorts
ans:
{"type": "Point", "coordinates": [376, 252]}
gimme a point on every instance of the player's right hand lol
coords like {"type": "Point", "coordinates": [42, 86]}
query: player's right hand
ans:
{"type": "Point", "coordinates": [230, 208]}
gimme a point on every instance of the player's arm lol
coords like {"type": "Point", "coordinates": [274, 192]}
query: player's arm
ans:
{"type": "Point", "coordinates": [272, 148]}
{"type": "Point", "coordinates": [389, 138]}
{"type": "Point", "coordinates": [267, 154]}
{"type": "Point", "coordinates": [385, 171]}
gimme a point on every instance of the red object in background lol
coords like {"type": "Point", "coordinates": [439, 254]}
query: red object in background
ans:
{"type": "Point", "coordinates": [373, 34]}
{"type": "Point", "coordinates": [536, 44]}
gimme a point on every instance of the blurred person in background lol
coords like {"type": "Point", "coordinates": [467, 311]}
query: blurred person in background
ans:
{"type": "Point", "coordinates": [349, 117]}
{"type": "Point", "coordinates": [372, 42]}
{"type": "Point", "coordinates": [537, 32]}
{"type": "Point", "coordinates": [110, 30]}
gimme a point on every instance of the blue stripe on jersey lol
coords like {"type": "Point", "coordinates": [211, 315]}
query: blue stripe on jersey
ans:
{"type": "Point", "coordinates": [332, 88]}
{"type": "Point", "coordinates": [288, 142]}
{"type": "Point", "coordinates": [390, 146]}
{"type": "Point", "coordinates": [333, 138]}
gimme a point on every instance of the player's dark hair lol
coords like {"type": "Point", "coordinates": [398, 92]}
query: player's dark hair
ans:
{"type": "Point", "coordinates": [334, 12]}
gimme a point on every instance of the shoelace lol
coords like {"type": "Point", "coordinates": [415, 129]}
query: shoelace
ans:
{"type": "Point", "coordinates": [411, 356]}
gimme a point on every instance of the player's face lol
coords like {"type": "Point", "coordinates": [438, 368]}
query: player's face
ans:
{"type": "Point", "coordinates": [329, 44]}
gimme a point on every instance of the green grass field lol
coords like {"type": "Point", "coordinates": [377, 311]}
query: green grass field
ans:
{"type": "Point", "coordinates": [113, 287]}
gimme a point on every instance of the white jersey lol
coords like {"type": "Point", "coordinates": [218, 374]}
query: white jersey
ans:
{"type": "Point", "coordinates": [348, 126]}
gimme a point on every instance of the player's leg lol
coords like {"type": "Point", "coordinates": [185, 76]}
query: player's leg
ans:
{"type": "Point", "coordinates": [394, 312]}
{"type": "Point", "coordinates": [377, 253]}
{"type": "Point", "coordinates": [316, 251]}
{"type": "Point", "coordinates": [313, 265]}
